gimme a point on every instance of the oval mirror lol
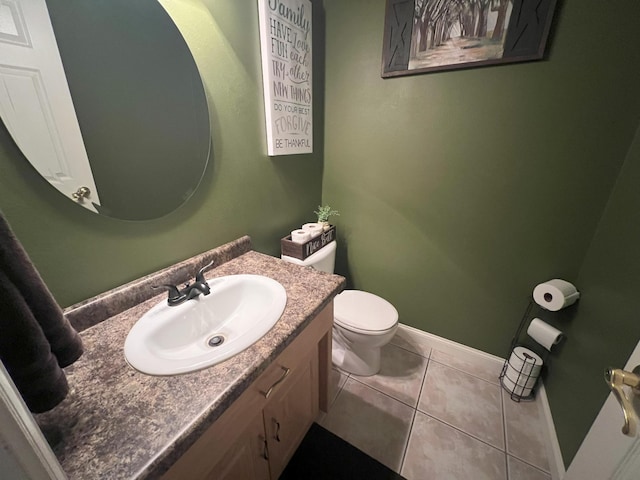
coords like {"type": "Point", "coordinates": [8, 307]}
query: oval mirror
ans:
{"type": "Point", "coordinates": [142, 124]}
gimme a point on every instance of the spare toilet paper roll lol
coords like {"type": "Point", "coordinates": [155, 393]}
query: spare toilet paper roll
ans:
{"type": "Point", "coordinates": [544, 334]}
{"type": "Point", "coordinates": [521, 390]}
{"type": "Point", "coordinates": [522, 371]}
{"type": "Point", "coordinates": [555, 294]}
{"type": "Point", "coordinates": [314, 229]}
{"type": "Point", "coordinates": [526, 361]}
{"type": "Point", "coordinates": [300, 236]}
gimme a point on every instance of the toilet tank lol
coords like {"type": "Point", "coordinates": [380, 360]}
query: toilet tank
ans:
{"type": "Point", "coordinates": [323, 260]}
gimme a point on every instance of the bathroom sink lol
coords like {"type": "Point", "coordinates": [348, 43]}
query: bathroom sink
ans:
{"type": "Point", "coordinates": [205, 330]}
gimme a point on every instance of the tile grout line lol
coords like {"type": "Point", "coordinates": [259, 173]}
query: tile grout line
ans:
{"type": "Point", "coordinates": [417, 409]}
{"type": "Point", "coordinates": [504, 434]}
{"type": "Point", "coordinates": [453, 351]}
{"type": "Point", "coordinates": [406, 444]}
{"type": "Point", "coordinates": [410, 351]}
{"type": "Point", "coordinates": [544, 472]}
{"type": "Point", "coordinates": [415, 413]}
{"type": "Point", "coordinates": [335, 399]}
{"type": "Point", "coordinates": [357, 379]}
{"type": "Point", "coordinates": [383, 393]}
{"type": "Point", "coordinates": [431, 349]}
{"type": "Point", "coordinates": [503, 412]}
{"type": "Point", "coordinates": [461, 429]}
{"type": "Point", "coordinates": [349, 376]}
{"type": "Point", "coordinates": [509, 454]}
{"type": "Point", "coordinates": [463, 432]}
{"type": "Point", "coordinates": [464, 371]}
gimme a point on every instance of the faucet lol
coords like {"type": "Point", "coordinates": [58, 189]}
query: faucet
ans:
{"type": "Point", "coordinates": [193, 290]}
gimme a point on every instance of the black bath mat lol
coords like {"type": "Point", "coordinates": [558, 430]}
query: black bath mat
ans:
{"type": "Point", "coordinates": [325, 456]}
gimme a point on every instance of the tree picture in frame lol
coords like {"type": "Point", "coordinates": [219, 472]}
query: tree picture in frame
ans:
{"type": "Point", "coordinates": [422, 36]}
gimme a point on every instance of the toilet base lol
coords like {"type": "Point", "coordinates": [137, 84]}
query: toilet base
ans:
{"type": "Point", "coordinates": [355, 359]}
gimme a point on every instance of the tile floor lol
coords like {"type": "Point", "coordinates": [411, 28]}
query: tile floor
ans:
{"type": "Point", "coordinates": [437, 411]}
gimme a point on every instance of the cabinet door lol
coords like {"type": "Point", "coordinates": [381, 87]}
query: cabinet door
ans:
{"type": "Point", "coordinates": [290, 412]}
{"type": "Point", "coordinates": [247, 458]}
{"type": "Point", "coordinates": [211, 458]}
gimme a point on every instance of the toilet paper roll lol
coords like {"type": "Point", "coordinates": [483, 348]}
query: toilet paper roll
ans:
{"type": "Point", "coordinates": [520, 390]}
{"type": "Point", "coordinates": [522, 371]}
{"type": "Point", "coordinates": [300, 236]}
{"type": "Point", "coordinates": [544, 334]}
{"type": "Point", "coordinates": [526, 361]}
{"type": "Point", "coordinates": [555, 294]}
{"type": "Point", "coordinates": [314, 229]}
{"type": "Point", "coordinates": [521, 379]}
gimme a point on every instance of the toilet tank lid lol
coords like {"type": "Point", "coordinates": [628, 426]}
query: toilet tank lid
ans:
{"type": "Point", "coordinates": [364, 310]}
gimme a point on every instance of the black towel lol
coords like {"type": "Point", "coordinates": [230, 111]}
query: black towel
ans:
{"type": "Point", "coordinates": [36, 340]}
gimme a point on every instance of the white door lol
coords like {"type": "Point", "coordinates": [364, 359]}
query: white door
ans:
{"type": "Point", "coordinates": [24, 452]}
{"type": "Point", "coordinates": [606, 453]}
{"type": "Point", "coordinates": [35, 102]}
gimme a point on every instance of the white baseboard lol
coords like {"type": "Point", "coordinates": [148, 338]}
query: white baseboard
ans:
{"type": "Point", "coordinates": [450, 345]}
{"type": "Point", "coordinates": [556, 463]}
{"type": "Point", "coordinates": [554, 454]}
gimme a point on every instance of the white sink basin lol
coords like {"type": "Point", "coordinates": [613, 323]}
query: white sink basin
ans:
{"type": "Point", "coordinates": [240, 310]}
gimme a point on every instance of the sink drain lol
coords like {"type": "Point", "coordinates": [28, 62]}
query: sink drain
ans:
{"type": "Point", "coordinates": [215, 341]}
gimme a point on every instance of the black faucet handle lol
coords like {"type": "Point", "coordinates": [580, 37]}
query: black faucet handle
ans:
{"type": "Point", "coordinates": [174, 293]}
{"type": "Point", "coordinates": [200, 274]}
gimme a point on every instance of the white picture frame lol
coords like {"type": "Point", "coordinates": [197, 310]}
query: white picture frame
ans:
{"type": "Point", "coordinates": [286, 49]}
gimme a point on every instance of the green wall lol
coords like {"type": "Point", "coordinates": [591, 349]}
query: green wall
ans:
{"type": "Point", "coordinates": [460, 191]}
{"type": "Point", "coordinates": [605, 328]}
{"type": "Point", "coordinates": [80, 254]}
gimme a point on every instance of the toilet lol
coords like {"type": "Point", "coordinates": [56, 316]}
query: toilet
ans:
{"type": "Point", "coordinates": [362, 322]}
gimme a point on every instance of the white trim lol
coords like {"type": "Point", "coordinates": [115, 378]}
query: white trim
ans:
{"type": "Point", "coordinates": [554, 454]}
{"type": "Point", "coordinates": [21, 437]}
{"type": "Point", "coordinates": [454, 345]}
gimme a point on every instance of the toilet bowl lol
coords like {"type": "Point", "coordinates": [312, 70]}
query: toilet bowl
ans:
{"type": "Point", "coordinates": [362, 322]}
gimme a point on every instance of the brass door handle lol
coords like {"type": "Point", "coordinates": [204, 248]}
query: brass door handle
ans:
{"type": "Point", "coordinates": [616, 379]}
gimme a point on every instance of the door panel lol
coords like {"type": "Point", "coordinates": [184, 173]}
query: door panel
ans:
{"type": "Point", "coordinates": [606, 453]}
{"type": "Point", "coordinates": [35, 102]}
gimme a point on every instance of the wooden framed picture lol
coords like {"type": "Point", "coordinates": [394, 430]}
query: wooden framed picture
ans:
{"type": "Point", "coordinates": [422, 36]}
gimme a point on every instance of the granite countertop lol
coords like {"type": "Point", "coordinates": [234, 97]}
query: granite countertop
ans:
{"type": "Point", "coordinates": [119, 423]}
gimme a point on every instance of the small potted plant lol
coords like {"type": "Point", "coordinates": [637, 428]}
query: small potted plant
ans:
{"type": "Point", "coordinates": [323, 213]}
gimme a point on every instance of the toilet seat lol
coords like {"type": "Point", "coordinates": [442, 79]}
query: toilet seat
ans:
{"type": "Point", "coordinates": [364, 312]}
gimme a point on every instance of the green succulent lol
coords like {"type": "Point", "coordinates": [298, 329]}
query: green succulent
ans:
{"type": "Point", "coordinates": [324, 212]}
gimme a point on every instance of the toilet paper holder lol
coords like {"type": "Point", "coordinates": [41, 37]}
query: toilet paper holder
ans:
{"type": "Point", "coordinates": [521, 371]}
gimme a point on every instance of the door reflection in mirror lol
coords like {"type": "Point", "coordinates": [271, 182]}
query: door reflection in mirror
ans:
{"type": "Point", "coordinates": [35, 103]}
{"type": "Point", "coordinates": [139, 101]}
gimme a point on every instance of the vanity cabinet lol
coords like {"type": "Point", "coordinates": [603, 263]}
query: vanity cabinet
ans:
{"type": "Point", "coordinates": [290, 414]}
{"type": "Point", "coordinates": [245, 458]}
{"type": "Point", "coordinates": [259, 432]}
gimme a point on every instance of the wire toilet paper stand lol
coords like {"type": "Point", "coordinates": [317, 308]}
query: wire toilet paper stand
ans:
{"type": "Point", "coordinates": [522, 368]}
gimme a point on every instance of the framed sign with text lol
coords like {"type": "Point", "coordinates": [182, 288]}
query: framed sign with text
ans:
{"type": "Point", "coordinates": [285, 45]}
